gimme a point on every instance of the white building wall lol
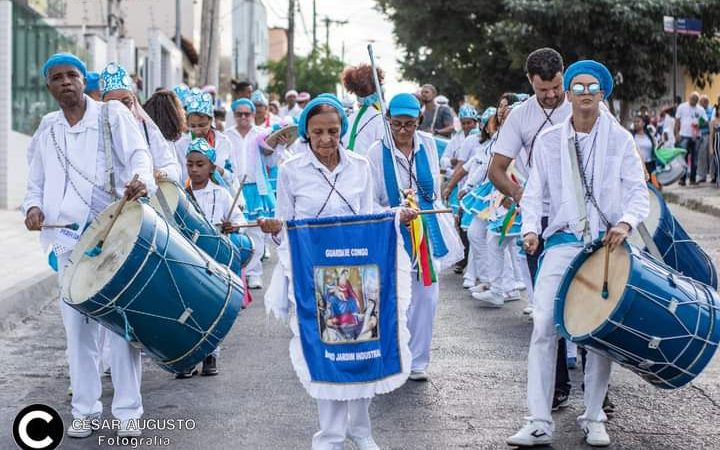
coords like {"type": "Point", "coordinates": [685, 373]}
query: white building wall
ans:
{"type": "Point", "coordinates": [6, 162]}
{"type": "Point", "coordinates": [243, 34]}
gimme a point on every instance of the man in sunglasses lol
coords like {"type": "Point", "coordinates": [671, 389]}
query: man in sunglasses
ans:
{"type": "Point", "coordinates": [589, 172]}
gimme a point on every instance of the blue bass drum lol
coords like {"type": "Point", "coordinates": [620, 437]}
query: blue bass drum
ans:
{"type": "Point", "coordinates": [173, 204]}
{"type": "Point", "coordinates": [656, 322]}
{"type": "Point", "coordinates": [244, 246]}
{"type": "Point", "coordinates": [153, 287]}
{"type": "Point", "coordinates": [678, 249]}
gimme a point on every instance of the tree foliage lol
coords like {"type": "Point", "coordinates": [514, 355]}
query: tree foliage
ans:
{"type": "Point", "coordinates": [479, 46]}
{"type": "Point", "coordinates": [316, 73]}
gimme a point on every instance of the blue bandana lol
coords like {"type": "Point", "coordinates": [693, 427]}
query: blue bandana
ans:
{"type": "Point", "coordinates": [199, 104]}
{"type": "Point", "coordinates": [322, 99]}
{"type": "Point", "coordinates": [467, 112]}
{"type": "Point", "coordinates": [238, 102]}
{"type": "Point", "coordinates": [487, 114]}
{"type": "Point", "coordinates": [115, 78]}
{"type": "Point", "coordinates": [369, 100]}
{"type": "Point", "coordinates": [201, 146]}
{"type": "Point", "coordinates": [592, 68]}
{"type": "Point", "coordinates": [59, 59]}
{"type": "Point", "coordinates": [92, 82]}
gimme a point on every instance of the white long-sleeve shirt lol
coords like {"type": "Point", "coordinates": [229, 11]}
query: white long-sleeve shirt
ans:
{"type": "Point", "coordinates": [222, 153]}
{"type": "Point", "coordinates": [67, 181]}
{"type": "Point", "coordinates": [215, 202]}
{"type": "Point", "coordinates": [164, 158]}
{"type": "Point", "coordinates": [246, 156]}
{"type": "Point", "coordinates": [370, 128]}
{"type": "Point", "coordinates": [620, 188]}
{"type": "Point", "coordinates": [477, 165]}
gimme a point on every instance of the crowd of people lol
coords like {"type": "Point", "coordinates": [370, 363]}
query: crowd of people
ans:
{"type": "Point", "coordinates": [502, 170]}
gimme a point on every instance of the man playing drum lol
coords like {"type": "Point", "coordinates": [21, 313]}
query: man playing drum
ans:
{"type": "Point", "coordinates": [68, 183]}
{"type": "Point", "coordinates": [588, 170]}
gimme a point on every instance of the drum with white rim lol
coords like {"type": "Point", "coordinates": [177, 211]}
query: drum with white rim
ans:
{"type": "Point", "coordinates": [152, 286]}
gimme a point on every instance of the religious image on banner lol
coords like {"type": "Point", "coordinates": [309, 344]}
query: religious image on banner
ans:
{"type": "Point", "coordinates": [347, 303]}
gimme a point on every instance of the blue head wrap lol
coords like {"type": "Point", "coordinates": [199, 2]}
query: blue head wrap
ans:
{"type": "Point", "coordinates": [200, 103]}
{"type": "Point", "coordinates": [92, 82]}
{"type": "Point", "coordinates": [181, 90]}
{"type": "Point", "coordinates": [59, 59]}
{"type": "Point", "coordinates": [115, 78]}
{"type": "Point", "coordinates": [467, 112]}
{"type": "Point", "coordinates": [259, 98]}
{"type": "Point", "coordinates": [238, 102]}
{"type": "Point", "coordinates": [592, 68]}
{"type": "Point", "coordinates": [322, 99]}
{"type": "Point", "coordinates": [201, 146]}
{"type": "Point", "coordinates": [487, 114]}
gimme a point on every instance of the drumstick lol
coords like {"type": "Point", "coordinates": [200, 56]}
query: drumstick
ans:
{"type": "Point", "coordinates": [93, 252]}
{"type": "Point", "coordinates": [70, 226]}
{"type": "Point", "coordinates": [242, 225]}
{"type": "Point", "coordinates": [235, 200]}
{"type": "Point", "coordinates": [435, 211]}
{"type": "Point", "coordinates": [605, 293]}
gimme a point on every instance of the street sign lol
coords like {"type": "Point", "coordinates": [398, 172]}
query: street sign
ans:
{"type": "Point", "coordinates": [682, 26]}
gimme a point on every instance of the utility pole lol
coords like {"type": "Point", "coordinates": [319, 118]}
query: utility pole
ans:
{"type": "Point", "coordinates": [290, 75]}
{"type": "Point", "coordinates": [314, 44]}
{"type": "Point", "coordinates": [209, 41]}
{"type": "Point", "coordinates": [329, 21]}
{"type": "Point", "coordinates": [251, 43]}
{"type": "Point", "coordinates": [674, 74]}
{"type": "Point", "coordinates": [178, 18]}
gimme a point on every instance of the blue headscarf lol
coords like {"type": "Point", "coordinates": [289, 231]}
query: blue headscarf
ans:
{"type": "Point", "coordinates": [592, 68]}
{"type": "Point", "coordinates": [115, 78]}
{"type": "Point", "coordinates": [242, 102]}
{"type": "Point", "coordinates": [487, 114]}
{"type": "Point", "coordinates": [259, 98]}
{"type": "Point", "coordinates": [59, 59]}
{"type": "Point", "coordinates": [201, 146]}
{"type": "Point", "coordinates": [92, 82]}
{"type": "Point", "coordinates": [467, 112]}
{"type": "Point", "coordinates": [322, 99]}
{"type": "Point", "coordinates": [181, 90]}
{"type": "Point", "coordinates": [199, 104]}
{"type": "Point", "coordinates": [369, 100]}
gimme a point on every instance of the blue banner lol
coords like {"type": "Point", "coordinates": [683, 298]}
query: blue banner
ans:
{"type": "Point", "coordinates": [344, 277]}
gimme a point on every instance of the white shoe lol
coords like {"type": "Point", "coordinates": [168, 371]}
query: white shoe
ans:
{"type": "Point", "coordinates": [126, 431]}
{"type": "Point", "coordinates": [418, 375]}
{"type": "Point", "coordinates": [533, 433]}
{"type": "Point", "coordinates": [520, 286]}
{"type": "Point", "coordinates": [511, 296]}
{"type": "Point", "coordinates": [365, 443]}
{"type": "Point", "coordinates": [481, 286]}
{"type": "Point", "coordinates": [595, 434]}
{"type": "Point", "coordinates": [489, 299]}
{"type": "Point", "coordinates": [254, 282]}
{"type": "Point", "coordinates": [467, 283]}
{"type": "Point", "coordinates": [528, 310]}
{"type": "Point", "coordinates": [80, 427]}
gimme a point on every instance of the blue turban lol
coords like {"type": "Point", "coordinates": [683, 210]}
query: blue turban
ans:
{"type": "Point", "coordinates": [487, 114]}
{"type": "Point", "coordinates": [59, 59]}
{"type": "Point", "coordinates": [238, 102]}
{"type": "Point", "coordinates": [201, 146]}
{"type": "Point", "coordinates": [199, 104]}
{"type": "Point", "coordinates": [259, 98]}
{"type": "Point", "coordinates": [115, 78]}
{"type": "Point", "coordinates": [322, 99]}
{"type": "Point", "coordinates": [181, 90]}
{"type": "Point", "coordinates": [592, 68]}
{"type": "Point", "coordinates": [92, 82]}
{"type": "Point", "coordinates": [467, 112]}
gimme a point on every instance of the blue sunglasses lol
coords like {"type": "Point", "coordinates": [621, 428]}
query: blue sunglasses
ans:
{"type": "Point", "coordinates": [580, 89]}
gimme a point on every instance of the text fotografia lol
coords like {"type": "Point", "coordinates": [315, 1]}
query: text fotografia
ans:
{"type": "Point", "coordinates": [136, 424]}
{"type": "Point", "coordinates": [134, 442]}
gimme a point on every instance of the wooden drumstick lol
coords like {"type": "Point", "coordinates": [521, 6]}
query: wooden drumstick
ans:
{"type": "Point", "coordinates": [93, 252]}
{"type": "Point", "coordinates": [70, 226]}
{"type": "Point", "coordinates": [435, 211]}
{"type": "Point", "coordinates": [605, 292]}
{"type": "Point", "coordinates": [235, 200]}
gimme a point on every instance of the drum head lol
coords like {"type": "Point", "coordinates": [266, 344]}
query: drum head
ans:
{"type": "Point", "coordinates": [585, 309]}
{"type": "Point", "coordinates": [290, 132]}
{"type": "Point", "coordinates": [652, 222]}
{"type": "Point", "coordinates": [672, 172]}
{"type": "Point", "coordinates": [171, 192]}
{"type": "Point", "coordinates": [85, 276]}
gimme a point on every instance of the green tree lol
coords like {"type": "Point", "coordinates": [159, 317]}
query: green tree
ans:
{"type": "Point", "coordinates": [316, 73]}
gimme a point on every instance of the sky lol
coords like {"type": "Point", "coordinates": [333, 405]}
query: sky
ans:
{"type": "Point", "coordinates": [365, 24]}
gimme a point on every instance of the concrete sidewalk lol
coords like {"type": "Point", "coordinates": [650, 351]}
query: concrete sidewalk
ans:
{"type": "Point", "coordinates": [703, 197]}
{"type": "Point", "coordinates": [26, 280]}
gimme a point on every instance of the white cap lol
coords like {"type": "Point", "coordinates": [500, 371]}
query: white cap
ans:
{"type": "Point", "coordinates": [441, 100]}
{"type": "Point", "coordinates": [291, 92]}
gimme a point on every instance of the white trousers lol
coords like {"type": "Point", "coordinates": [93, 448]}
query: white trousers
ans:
{"type": "Point", "coordinates": [469, 274]}
{"type": "Point", "coordinates": [339, 420]}
{"type": "Point", "coordinates": [525, 276]}
{"type": "Point", "coordinates": [478, 259]}
{"type": "Point", "coordinates": [499, 264]}
{"type": "Point", "coordinates": [84, 359]}
{"type": "Point", "coordinates": [254, 267]}
{"type": "Point", "coordinates": [421, 315]}
{"type": "Point", "coordinates": [543, 345]}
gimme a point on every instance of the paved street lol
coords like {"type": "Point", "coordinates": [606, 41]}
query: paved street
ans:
{"type": "Point", "coordinates": [475, 399]}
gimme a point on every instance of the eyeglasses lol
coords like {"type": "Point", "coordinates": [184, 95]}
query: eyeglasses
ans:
{"type": "Point", "coordinates": [397, 125]}
{"type": "Point", "coordinates": [580, 89]}
{"type": "Point", "coordinates": [243, 114]}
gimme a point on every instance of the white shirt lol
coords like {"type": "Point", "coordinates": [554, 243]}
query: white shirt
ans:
{"type": "Point", "coordinates": [477, 165]}
{"type": "Point", "coordinates": [222, 153]}
{"type": "Point", "coordinates": [304, 187]}
{"type": "Point", "coordinates": [622, 195]}
{"type": "Point", "coordinates": [245, 154]}
{"type": "Point", "coordinates": [67, 182]}
{"type": "Point", "coordinates": [290, 113]}
{"type": "Point", "coordinates": [668, 131]}
{"type": "Point", "coordinates": [370, 128]}
{"type": "Point", "coordinates": [215, 202]}
{"type": "Point", "coordinates": [689, 117]}
{"type": "Point", "coordinates": [163, 154]}
{"type": "Point", "coordinates": [644, 145]}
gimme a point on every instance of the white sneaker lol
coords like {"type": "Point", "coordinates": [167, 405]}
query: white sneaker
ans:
{"type": "Point", "coordinates": [481, 286]}
{"type": "Point", "coordinates": [254, 282]}
{"type": "Point", "coordinates": [467, 283]}
{"type": "Point", "coordinates": [511, 296]}
{"type": "Point", "coordinates": [418, 375]}
{"type": "Point", "coordinates": [533, 433]}
{"type": "Point", "coordinates": [127, 431]}
{"type": "Point", "coordinates": [489, 299]}
{"type": "Point", "coordinates": [595, 434]}
{"type": "Point", "coordinates": [520, 286]}
{"type": "Point", "coordinates": [365, 443]}
{"type": "Point", "coordinates": [80, 427]}
{"type": "Point", "coordinates": [528, 310]}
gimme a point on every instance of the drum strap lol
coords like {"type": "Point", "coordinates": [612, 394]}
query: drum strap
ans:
{"type": "Point", "coordinates": [649, 242]}
{"type": "Point", "coordinates": [107, 147]}
{"type": "Point", "coordinates": [164, 204]}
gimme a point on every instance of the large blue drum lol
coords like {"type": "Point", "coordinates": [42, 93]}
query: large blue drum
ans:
{"type": "Point", "coordinates": [678, 249]}
{"type": "Point", "coordinates": [173, 204]}
{"type": "Point", "coordinates": [153, 287]}
{"type": "Point", "coordinates": [655, 321]}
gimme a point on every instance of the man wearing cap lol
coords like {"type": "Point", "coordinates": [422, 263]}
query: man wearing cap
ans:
{"type": "Point", "coordinates": [115, 84]}
{"type": "Point", "coordinates": [407, 161]}
{"type": "Point", "coordinates": [590, 173]}
{"type": "Point", "coordinates": [70, 180]}
{"type": "Point", "coordinates": [291, 110]}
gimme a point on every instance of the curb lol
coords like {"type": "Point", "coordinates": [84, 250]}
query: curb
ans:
{"type": "Point", "coordinates": [695, 205]}
{"type": "Point", "coordinates": [26, 299]}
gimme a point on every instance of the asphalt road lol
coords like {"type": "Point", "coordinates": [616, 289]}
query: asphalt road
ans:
{"type": "Point", "coordinates": [475, 398]}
